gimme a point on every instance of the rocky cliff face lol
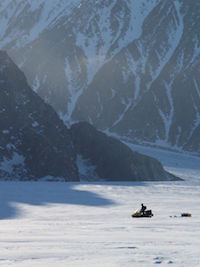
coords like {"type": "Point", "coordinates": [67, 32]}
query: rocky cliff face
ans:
{"type": "Point", "coordinates": [127, 66]}
{"type": "Point", "coordinates": [109, 159]}
{"type": "Point", "coordinates": [34, 142]}
{"type": "Point", "coordinates": [155, 80]}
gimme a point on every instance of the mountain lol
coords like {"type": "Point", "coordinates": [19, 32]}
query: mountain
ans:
{"type": "Point", "coordinates": [106, 157]}
{"type": "Point", "coordinates": [34, 141]}
{"type": "Point", "coordinates": [129, 67]}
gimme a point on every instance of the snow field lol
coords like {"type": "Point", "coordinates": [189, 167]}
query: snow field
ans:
{"type": "Point", "coordinates": [58, 224]}
{"type": "Point", "coordinates": [68, 224]}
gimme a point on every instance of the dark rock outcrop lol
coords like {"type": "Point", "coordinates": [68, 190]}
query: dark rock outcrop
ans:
{"type": "Point", "coordinates": [128, 66]}
{"type": "Point", "coordinates": [34, 142]}
{"type": "Point", "coordinates": [114, 161]}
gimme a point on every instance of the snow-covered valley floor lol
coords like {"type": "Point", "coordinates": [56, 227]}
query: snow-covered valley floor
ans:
{"type": "Point", "coordinates": [47, 224]}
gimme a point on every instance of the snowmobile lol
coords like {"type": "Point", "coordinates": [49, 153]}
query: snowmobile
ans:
{"type": "Point", "coordinates": [140, 214]}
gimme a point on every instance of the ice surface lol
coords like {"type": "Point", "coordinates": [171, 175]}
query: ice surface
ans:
{"type": "Point", "coordinates": [182, 164]}
{"type": "Point", "coordinates": [58, 225]}
{"type": "Point", "coordinates": [81, 224]}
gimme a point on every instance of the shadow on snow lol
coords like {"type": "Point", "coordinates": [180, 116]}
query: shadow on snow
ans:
{"type": "Point", "coordinates": [42, 193]}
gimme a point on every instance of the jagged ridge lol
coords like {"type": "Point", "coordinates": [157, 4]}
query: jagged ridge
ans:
{"type": "Point", "coordinates": [130, 67]}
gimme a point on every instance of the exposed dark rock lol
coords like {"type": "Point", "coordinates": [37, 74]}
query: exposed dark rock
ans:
{"type": "Point", "coordinates": [34, 142]}
{"type": "Point", "coordinates": [114, 160]}
{"type": "Point", "coordinates": [133, 70]}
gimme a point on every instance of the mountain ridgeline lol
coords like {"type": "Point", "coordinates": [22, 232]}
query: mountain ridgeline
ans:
{"type": "Point", "coordinates": [131, 67]}
{"type": "Point", "coordinates": [113, 159]}
{"type": "Point", "coordinates": [35, 143]}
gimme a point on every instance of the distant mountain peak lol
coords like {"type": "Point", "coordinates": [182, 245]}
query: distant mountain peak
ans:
{"type": "Point", "coordinates": [126, 66]}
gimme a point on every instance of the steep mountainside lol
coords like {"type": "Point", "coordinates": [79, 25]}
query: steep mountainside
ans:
{"type": "Point", "coordinates": [34, 142]}
{"type": "Point", "coordinates": [130, 67]}
{"type": "Point", "coordinates": [112, 159]}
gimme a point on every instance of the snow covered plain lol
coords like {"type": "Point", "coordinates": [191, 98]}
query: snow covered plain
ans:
{"type": "Point", "coordinates": [89, 225]}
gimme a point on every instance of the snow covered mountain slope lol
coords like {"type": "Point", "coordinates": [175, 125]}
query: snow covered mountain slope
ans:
{"type": "Point", "coordinates": [130, 67]}
{"type": "Point", "coordinates": [34, 142]}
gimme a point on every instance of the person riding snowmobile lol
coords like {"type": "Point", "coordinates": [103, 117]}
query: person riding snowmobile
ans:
{"type": "Point", "coordinates": [143, 212]}
{"type": "Point", "coordinates": [143, 208]}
